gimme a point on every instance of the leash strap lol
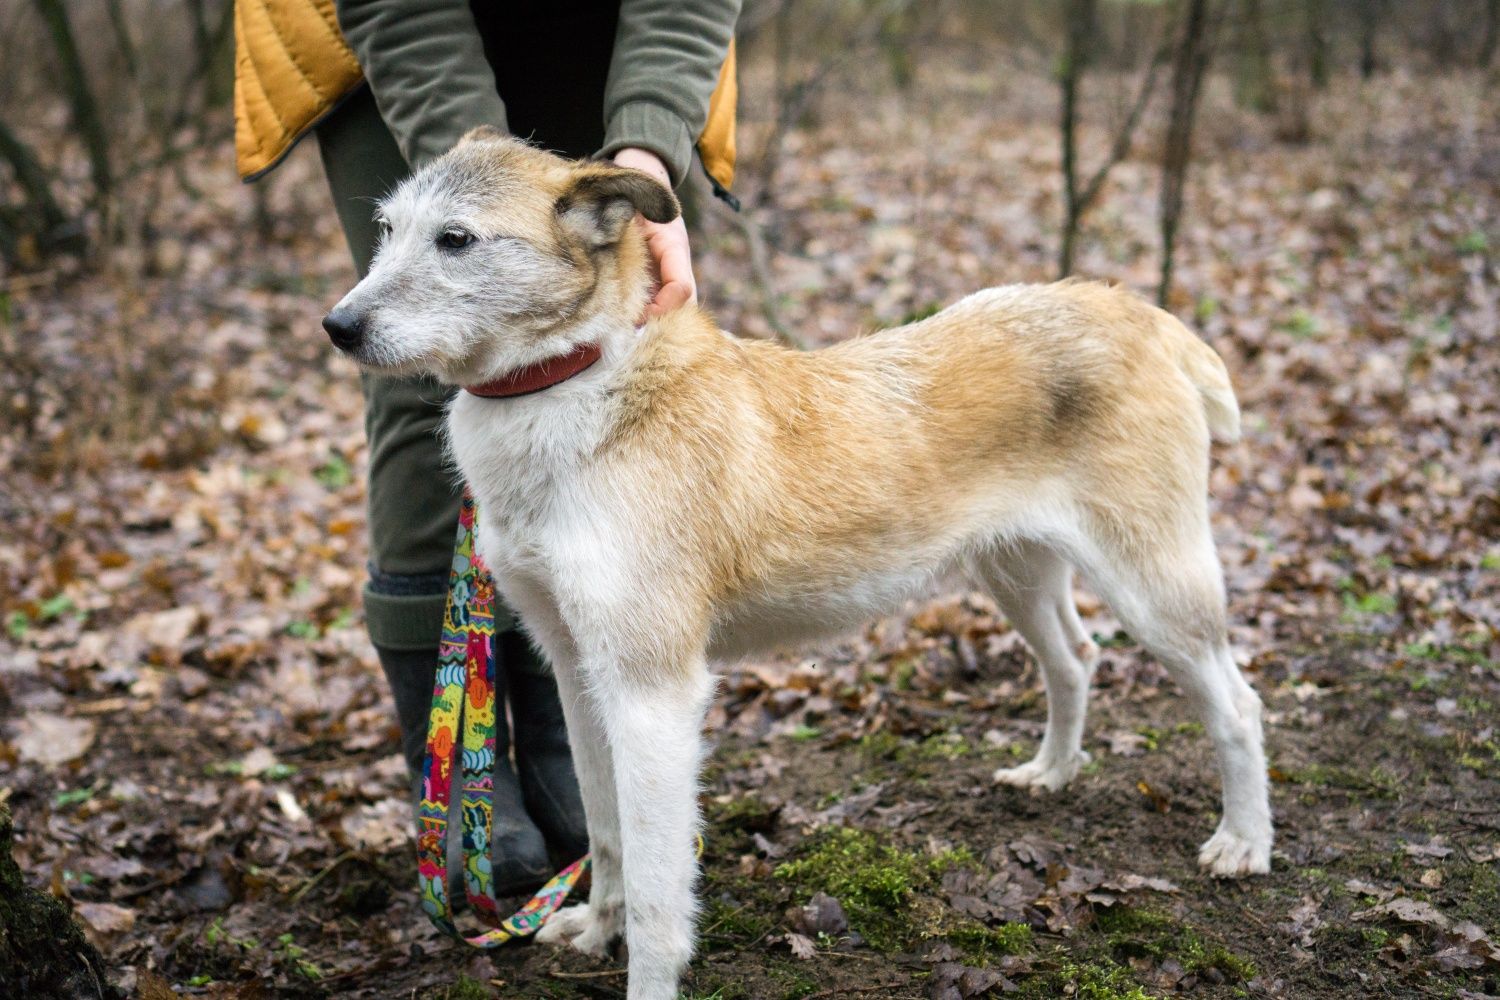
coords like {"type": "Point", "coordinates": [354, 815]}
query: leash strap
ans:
{"type": "Point", "coordinates": [461, 731]}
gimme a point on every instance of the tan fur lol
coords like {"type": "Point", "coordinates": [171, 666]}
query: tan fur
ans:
{"type": "Point", "coordinates": [848, 458]}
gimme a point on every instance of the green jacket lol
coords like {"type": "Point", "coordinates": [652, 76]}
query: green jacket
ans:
{"type": "Point", "coordinates": [425, 63]}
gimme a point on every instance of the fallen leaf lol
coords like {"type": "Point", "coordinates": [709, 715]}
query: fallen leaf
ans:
{"type": "Point", "coordinates": [50, 740]}
{"type": "Point", "coordinates": [379, 826]}
{"type": "Point", "coordinates": [802, 946]}
{"type": "Point", "coordinates": [105, 920]}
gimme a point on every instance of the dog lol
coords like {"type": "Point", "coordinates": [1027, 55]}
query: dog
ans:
{"type": "Point", "coordinates": [657, 497]}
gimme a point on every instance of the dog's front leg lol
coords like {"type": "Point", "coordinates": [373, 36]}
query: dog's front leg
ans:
{"type": "Point", "coordinates": [595, 926]}
{"type": "Point", "coordinates": [654, 718]}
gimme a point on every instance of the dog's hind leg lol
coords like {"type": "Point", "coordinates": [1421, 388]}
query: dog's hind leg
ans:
{"type": "Point", "coordinates": [1033, 586]}
{"type": "Point", "coordinates": [1168, 591]}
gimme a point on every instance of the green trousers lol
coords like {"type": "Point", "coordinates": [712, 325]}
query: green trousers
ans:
{"type": "Point", "coordinates": [413, 495]}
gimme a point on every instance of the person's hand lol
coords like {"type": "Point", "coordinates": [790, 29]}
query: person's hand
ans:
{"type": "Point", "coordinates": [668, 242]}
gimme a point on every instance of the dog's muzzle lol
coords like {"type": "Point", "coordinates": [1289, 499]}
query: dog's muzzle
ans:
{"type": "Point", "coordinates": [345, 328]}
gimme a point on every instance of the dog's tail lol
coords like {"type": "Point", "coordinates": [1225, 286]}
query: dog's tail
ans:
{"type": "Point", "coordinates": [1205, 369]}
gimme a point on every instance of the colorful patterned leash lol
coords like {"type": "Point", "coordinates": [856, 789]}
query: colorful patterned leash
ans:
{"type": "Point", "coordinates": [463, 700]}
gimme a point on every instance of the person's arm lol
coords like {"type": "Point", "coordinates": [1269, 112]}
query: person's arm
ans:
{"type": "Point", "coordinates": [425, 64]}
{"type": "Point", "coordinates": [666, 62]}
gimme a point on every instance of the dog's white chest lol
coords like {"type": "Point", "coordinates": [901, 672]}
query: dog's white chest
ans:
{"type": "Point", "coordinates": [527, 462]}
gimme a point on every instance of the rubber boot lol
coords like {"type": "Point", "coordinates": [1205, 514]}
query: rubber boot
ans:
{"type": "Point", "coordinates": [517, 849]}
{"type": "Point", "coordinates": [543, 756]}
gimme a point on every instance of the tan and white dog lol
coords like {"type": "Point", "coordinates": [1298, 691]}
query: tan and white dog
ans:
{"type": "Point", "coordinates": [655, 498]}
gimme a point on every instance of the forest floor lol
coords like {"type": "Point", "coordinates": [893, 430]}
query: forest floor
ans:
{"type": "Point", "coordinates": [200, 755]}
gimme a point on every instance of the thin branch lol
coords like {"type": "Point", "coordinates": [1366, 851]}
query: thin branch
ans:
{"type": "Point", "coordinates": [760, 274]}
{"type": "Point", "coordinates": [123, 39]}
{"type": "Point", "coordinates": [1126, 135]}
{"type": "Point", "coordinates": [75, 82]}
{"type": "Point", "coordinates": [1078, 200]}
{"type": "Point", "coordinates": [1194, 52]}
{"type": "Point", "coordinates": [32, 178]}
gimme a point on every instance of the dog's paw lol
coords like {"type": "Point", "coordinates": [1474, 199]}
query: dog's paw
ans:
{"type": "Point", "coordinates": [1038, 774]}
{"type": "Point", "coordinates": [1230, 855]}
{"type": "Point", "coordinates": [582, 928]}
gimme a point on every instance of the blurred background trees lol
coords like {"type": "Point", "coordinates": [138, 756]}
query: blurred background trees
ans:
{"type": "Point", "coordinates": [99, 102]}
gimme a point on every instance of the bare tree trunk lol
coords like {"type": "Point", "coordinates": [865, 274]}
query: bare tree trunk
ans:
{"type": "Point", "coordinates": [1194, 50]}
{"type": "Point", "coordinates": [1369, 25]}
{"type": "Point", "coordinates": [1079, 198]}
{"type": "Point", "coordinates": [1317, 43]}
{"type": "Point", "coordinates": [1491, 29]}
{"type": "Point", "coordinates": [211, 41]}
{"type": "Point", "coordinates": [35, 185]}
{"type": "Point", "coordinates": [122, 38]}
{"type": "Point", "coordinates": [1255, 76]}
{"type": "Point", "coordinates": [795, 93]}
{"type": "Point", "coordinates": [1081, 24]}
{"type": "Point", "coordinates": [85, 110]}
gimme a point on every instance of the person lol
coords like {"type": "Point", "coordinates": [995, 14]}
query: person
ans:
{"type": "Point", "coordinates": [386, 87]}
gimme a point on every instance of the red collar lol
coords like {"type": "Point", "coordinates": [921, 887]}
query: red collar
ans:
{"type": "Point", "coordinates": [542, 375]}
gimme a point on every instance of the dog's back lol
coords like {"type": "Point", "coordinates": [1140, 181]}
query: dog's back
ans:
{"type": "Point", "coordinates": [845, 479]}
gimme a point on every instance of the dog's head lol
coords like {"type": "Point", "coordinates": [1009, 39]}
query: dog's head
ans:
{"type": "Point", "coordinates": [496, 256]}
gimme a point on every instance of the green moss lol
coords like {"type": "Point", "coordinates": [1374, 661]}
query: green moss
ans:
{"type": "Point", "coordinates": [792, 983]}
{"type": "Point", "coordinates": [1376, 783]}
{"type": "Point", "coordinates": [464, 988]}
{"type": "Point", "coordinates": [982, 945]}
{"type": "Point", "coordinates": [1480, 756]}
{"type": "Point", "coordinates": [947, 746]}
{"type": "Point", "coordinates": [746, 813]}
{"type": "Point", "coordinates": [883, 745]}
{"type": "Point", "coordinates": [1155, 738]}
{"type": "Point", "coordinates": [1468, 652]}
{"type": "Point", "coordinates": [1137, 932]}
{"type": "Point", "coordinates": [944, 746]}
{"type": "Point", "coordinates": [1374, 603]}
{"type": "Point", "coordinates": [1084, 981]}
{"type": "Point", "coordinates": [1480, 900]}
{"type": "Point", "coordinates": [732, 919]}
{"type": "Point", "coordinates": [875, 882]}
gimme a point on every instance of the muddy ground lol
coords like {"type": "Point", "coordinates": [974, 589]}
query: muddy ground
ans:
{"type": "Point", "coordinates": [198, 749]}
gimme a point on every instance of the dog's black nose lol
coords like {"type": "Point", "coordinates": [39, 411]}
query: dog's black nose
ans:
{"type": "Point", "coordinates": [345, 328]}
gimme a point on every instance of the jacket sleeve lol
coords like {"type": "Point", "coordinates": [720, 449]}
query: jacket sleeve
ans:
{"type": "Point", "coordinates": [426, 67]}
{"type": "Point", "coordinates": [666, 62]}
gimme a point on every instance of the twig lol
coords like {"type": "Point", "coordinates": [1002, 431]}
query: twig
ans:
{"type": "Point", "coordinates": [307, 886]}
{"type": "Point", "coordinates": [601, 974]}
{"type": "Point", "coordinates": [760, 274]}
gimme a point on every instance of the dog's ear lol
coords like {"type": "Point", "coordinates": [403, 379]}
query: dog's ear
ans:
{"type": "Point", "coordinates": [601, 199]}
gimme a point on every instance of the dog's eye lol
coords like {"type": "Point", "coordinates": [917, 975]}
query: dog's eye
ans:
{"type": "Point", "coordinates": [385, 229]}
{"type": "Point", "coordinates": [455, 239]}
